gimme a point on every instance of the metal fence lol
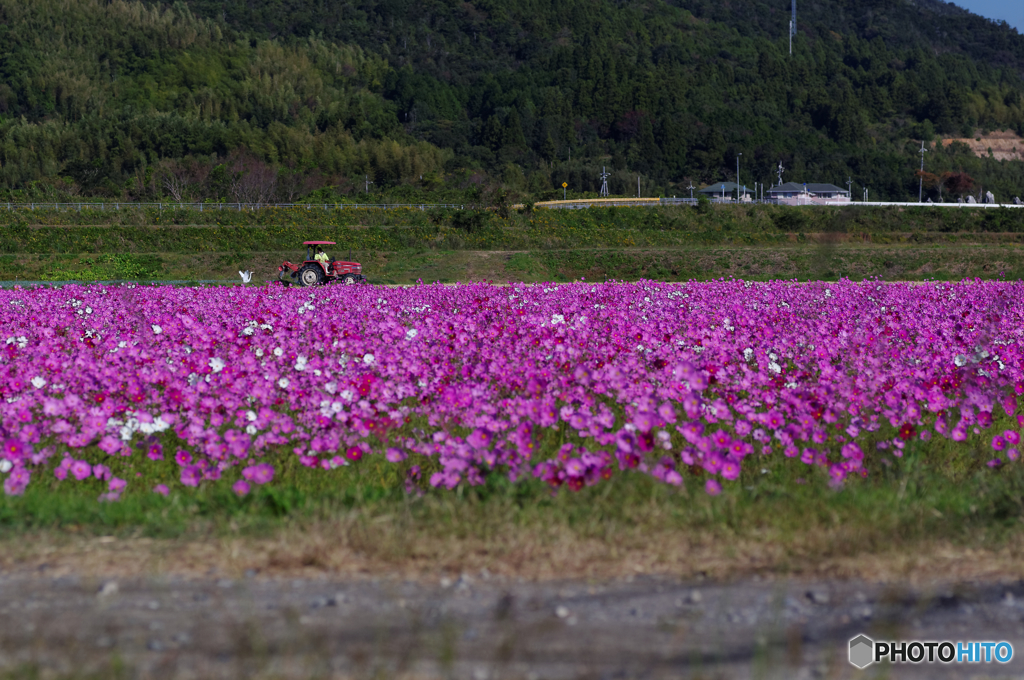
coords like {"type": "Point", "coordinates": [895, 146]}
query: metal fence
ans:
{"type": "Point", "coordinates": [201, 207]}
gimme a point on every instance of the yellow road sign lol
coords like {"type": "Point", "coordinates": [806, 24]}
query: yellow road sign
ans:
{"type": "Point", "coordinates": [565, 184]}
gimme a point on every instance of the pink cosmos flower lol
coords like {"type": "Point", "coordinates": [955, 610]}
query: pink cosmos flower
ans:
{"type": "Point", "coordinates": [117, 485]}
{"type": "Point", "coordinates": [731, 470]}
{"type": "Point", "coordinates": [998, 443]}
{"type": "Point", "coordinates": [191, 475]}
{"type": "Point", "coordinates": [712, 487]}
{"type": "Point", "coordinates": [182, 457]}
{"type": "Point", "coordinates": [13, 450]}
{"type": "Point", "coordinates": [395, 455]}
{"type": "Point", "coordinates": [1012, 454]}
{"type": "Point", "coordinates": [17, 481]}
{"type": "Point", "coordinates": [101, 472]}
{"type": "Point", "coordinates": [1011, 437]}
{"type": "Point", "coordinates": [241, 487]}
{"type": "Point", "coordinates": [259, 474]}
{"type": "Point", "coordinates": [161, 489]}
{"type": "Point", "coordinates": [155, 452]}
{"type": "Point", "coordinates": [81, 470]}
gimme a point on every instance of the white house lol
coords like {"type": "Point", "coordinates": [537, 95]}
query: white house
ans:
{"type": "Point", "coordinates": [792, 193]}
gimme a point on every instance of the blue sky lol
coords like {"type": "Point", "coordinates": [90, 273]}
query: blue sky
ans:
{"type": "Point", "coordinates": [1010, 11]}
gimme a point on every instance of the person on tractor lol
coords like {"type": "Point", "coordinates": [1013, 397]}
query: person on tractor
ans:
{"type": "Point", "coordinates": [322, 258]}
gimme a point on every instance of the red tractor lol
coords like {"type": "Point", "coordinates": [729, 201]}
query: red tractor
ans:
{"type": "Point", "coordinates": [318, 269]}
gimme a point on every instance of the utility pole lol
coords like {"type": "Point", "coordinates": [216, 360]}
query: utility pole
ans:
{"type": "Point", "coordinates": [865, 194]}
{"type": "Point", "coordinates": [849, 187]}
{"type": "Point", "coordinates": [738, 176]}
{"type": "Point", "coordinates": [780, 171]}
{"type": "Point", "coordinates": [691, 188]}
{"type": "Point", "coordinates": [366, 178]}
{"type": "Point", "coordinates": [638, 186]}
{"type": "Point", "coordinates": [792, 27]}
{"type": "Point", "coordinates": [920, 185]}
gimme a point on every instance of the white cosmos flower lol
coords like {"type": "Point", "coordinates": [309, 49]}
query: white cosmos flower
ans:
{"type": "Point", "coordinates": [217, 364]}
{"type": "Point", "coordinates": [38, 382]}
{"type": "Point", "coordinates": [283, 383]}
{"type": "Point", "coordinates": [557, 319]}
{"type": "Point", "coordinates": [748, 354]}
{"type": "Point", "coordinates": [251, 430]}
{"type": "Point", "coordinates": [259, 351]}
{"type": "Point", "coordinates": [157, 330]}
{"type": "Point", "coordinates": [368, 359]}
{"type": "Point", "coordinates": [278, 351]}
{"type": "Point", "coordinates": [960, 360]}
{"type": "Point", "coordinates": [411, 333]}
{"type": "Point", "coordinates": [5, 466]}
{"type": "Point", "coordinates": [774, 367]}
{"type": "Point", "coordinates": [250, 416]}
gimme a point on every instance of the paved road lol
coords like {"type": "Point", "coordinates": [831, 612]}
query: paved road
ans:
{"type": "Point", "coordinates": [483, 628]}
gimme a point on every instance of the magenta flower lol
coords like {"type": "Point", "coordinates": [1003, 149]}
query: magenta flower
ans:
{"type": "Point", "coordinates": [191, 475]}
{"type": "Point", "coordinates": [998, 443]}
{"type": "Point", "coordinates": [395, 455]}
{"type": "Point", "coordinates": [712, 487]}
{"type": "Point", "coordinates": [1012, 454]}
{"type": "Point", "coordinates": [101, 472]}
{"type": "Point", "coordinates": [479, 439]}
{"type": "Point", "coordinates": [183, 458]}
{"type": "Point", "coordinates": [259, 474]}
{"type": "Point", "coordinates": [731, 470]}
{"type": "Point", "coordinates": [13, 450]}
{"type": "Point", "coordinates": [17, 481]}
{"type": "Point", "coordinates": [1011, 437]}
{"type": "Point", "coordinates": [117, 485]}
{"type": "Point", "coordinates": [81, 470]}
{"type": "Point", "coordinates": [241, 487]}
{"type": "Point", "coordinates": [155, 452]}
{"type": "Point", "coordinates": [161, 489]}
{"type": "Point", "coordinates": [110, 445]}
{"type": "Point", "coordinates": [995, 462]}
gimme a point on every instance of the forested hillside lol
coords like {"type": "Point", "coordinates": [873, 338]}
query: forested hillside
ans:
{"type": "Point", "coordinates": [284, 97]}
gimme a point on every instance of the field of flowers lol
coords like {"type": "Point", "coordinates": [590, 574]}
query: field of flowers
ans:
{"type": "Point", "coordinates": [145, 389]}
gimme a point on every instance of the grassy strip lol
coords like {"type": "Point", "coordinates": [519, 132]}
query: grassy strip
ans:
{"type": "Point", "coordinates": [213, 231]}
{"type": "Point", "coordinates": [823, 261]}
{"type": "Point", "coordinates": [780, 515]}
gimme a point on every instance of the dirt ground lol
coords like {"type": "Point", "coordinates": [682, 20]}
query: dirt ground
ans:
{"type": "Point", "coordinates": [226, 608]}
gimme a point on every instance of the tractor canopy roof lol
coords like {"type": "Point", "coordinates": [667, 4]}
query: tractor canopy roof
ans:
{"type": "Point", "coordinates": [318, 243]}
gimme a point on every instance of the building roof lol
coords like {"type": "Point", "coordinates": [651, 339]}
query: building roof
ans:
{"type": "Point", "coordinates": [718, 189]}
{"type": "Point", "coordinates": [812, 188]}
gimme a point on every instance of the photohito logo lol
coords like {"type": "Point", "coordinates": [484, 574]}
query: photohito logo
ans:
{"type": "Point", "coordinates": [864, 651]}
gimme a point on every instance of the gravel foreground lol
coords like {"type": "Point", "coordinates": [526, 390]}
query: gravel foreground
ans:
{"type": "Point", "coordinates": [482, 627]}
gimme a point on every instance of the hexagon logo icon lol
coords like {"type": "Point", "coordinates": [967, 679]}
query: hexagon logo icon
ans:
{"type": "Point", "coordinates": [862, 650]}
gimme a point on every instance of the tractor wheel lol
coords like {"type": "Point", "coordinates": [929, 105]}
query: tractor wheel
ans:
{"type": "Point", "coordinates": [311, 275]}
{"type": "Point", "coordinates": [348, 279]}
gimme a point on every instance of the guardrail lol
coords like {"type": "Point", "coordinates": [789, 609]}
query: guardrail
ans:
{"type": "Point", "coordinates": [201, 207]}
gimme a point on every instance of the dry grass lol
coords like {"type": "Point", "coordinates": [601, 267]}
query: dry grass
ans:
{"type": "Point", "coordinates": [343, 548]}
